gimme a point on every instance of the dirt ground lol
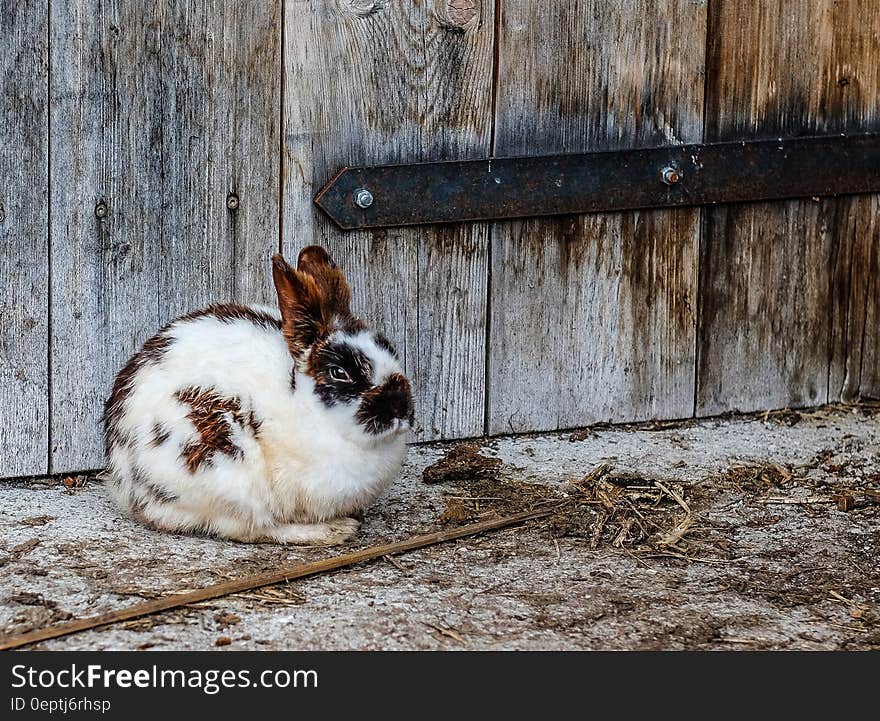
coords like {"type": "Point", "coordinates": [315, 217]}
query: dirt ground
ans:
{"type": "Point", "coordinates": [758, 532]}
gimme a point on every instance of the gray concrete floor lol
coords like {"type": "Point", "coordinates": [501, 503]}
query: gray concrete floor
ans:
{"type": "Point", "coordinates": [768, 561]}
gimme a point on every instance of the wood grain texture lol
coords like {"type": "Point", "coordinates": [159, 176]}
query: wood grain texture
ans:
{"type": "Point", "coordinates": [592, 317]}
{"type": "Point", "coordinates": [24, 261]}
{"type": "Point", "coordinates": [159, 112]}
{"type": "Point", "coordinates": [374, 81]}
{"type": "Point", "coordinates": [783, 286]}
{"type": "Point", "coordinates": [855, 303]}
{"type": "Point", "coordinates": [869, 377]}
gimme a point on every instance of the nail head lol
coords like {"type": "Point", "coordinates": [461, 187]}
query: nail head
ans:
{"type": "Point", "coordinates": [670, 175]}
{"type": "Point", "coordinates": [363, 198]}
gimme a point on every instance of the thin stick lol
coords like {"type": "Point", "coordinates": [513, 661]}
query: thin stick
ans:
{"type": "Point", "coordinates": [673, 537]}
{"type": "Point", "coordinates": [782, 501]}
{"type": "Point", "coordinates": [265, 579]}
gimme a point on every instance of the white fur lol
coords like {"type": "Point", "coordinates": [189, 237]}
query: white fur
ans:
{"type": "Point", "coordinates": [308, 467]}
{"type": "Point", "coordinates": [384, 364]}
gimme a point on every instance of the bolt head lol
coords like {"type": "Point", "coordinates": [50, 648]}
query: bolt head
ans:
{"type": "Point", "coordinates": [101, 210]}
{"type": "Point", "coordinates": [363, 198]}
{"type": "Point", "coordinates": [232, 201]}
{"type": "Point", "coordinates": [670, 175]}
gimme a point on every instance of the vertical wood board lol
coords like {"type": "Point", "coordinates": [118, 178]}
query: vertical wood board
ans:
{"type": "Point", "coordinates": [159, 113]}
{"type": "Point", "coordinates": [375, 81]}
{"type": "Point", "coordinates": [592, 317]}
{"type": "Point", "coordinates": [24, 261]}
{"type": "Point", "coordinates": [783, 285]}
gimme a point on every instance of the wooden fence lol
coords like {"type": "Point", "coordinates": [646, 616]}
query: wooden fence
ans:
{"type": "Point", "coordinates": [153, 155]}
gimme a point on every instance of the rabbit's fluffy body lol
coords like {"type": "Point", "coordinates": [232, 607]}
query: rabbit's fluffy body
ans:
{"type": "Point", "coordinates": [221, 424]}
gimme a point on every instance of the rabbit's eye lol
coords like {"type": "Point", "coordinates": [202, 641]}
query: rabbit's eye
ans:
{"type": "Point", "coordinates": [339, 374]}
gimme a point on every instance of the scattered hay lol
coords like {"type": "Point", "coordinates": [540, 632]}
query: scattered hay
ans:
{"type": "Point", "coordinates": [782, 417]}
{"type": "Point", "coordinates": [609, 508]}
{"type": "Point", "coordinates": [845, 484]}
{"type": "Point", "coordinates": [282, 595]}
{"type": "Point", "coordinates": [172, 617]}
{"type": "Point", "coordinates": [605, 508]}
{"type": "Point", "coordinates": [623, 510]}
{"type": "Point", "coordinates": [753, 479]}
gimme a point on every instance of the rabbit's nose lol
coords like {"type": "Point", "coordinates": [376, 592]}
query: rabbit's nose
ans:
{"type": "Point", "coordinates": [397, 392]}
{"type": "Point", "coordinates": [384, 405]}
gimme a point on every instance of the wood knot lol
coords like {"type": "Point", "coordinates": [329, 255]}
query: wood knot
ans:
{"type": "Point", "coordinates": [362, 8]}
{"type": "Point", "coordinates": [460, 15]}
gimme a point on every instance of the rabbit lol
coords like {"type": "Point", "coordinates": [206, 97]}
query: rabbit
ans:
{"type": "Point", "coordinates": [259, 426]}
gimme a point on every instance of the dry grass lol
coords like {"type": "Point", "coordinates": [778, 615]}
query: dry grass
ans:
{"type": "Point", "coordinates": [604, 507]}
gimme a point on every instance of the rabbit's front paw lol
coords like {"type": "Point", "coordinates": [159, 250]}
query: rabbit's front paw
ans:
{"type": "Point", "coordinates": [330, 533]}
{"type": "Point", "coordinates": [341, 529]}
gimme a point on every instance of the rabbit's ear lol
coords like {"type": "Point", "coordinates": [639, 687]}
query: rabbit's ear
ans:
{"type": "Point", "coordinates": [304, 312]}
{"type": "Point", "coordinates": [315, 261]}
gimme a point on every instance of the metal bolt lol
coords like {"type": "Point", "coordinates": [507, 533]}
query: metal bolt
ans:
{"type": "Point", "coordinates": [232, 201]}
{"type": "Point", "coordinates": [363, 198]}
{"type": "Point", "coordinates": [101, 210]}
{"type": "Point", "coordinates": [670, 175]}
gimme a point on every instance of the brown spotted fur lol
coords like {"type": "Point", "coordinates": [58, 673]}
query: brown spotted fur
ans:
{"type": "Point", "coordinates": [151, 352]}
{"type": "Point", "coordinates": [210, 413]}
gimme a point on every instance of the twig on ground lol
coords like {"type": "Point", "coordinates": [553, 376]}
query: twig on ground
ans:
{"type": "Point", "coordinates": [394, 562]}
{"type": "Point", "coordinates": [783, 501]}
{"type": "Point", "coordinates": [250, 583]}
{"type": "Point", "coordinates": [450, 632]}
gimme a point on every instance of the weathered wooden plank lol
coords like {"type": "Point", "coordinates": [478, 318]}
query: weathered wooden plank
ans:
{"type": "Point", "coordinates": [592, 317]}
{"type": "Point", "coordinates": [159, 112]}
{"type": "Point", "coordinates": [869, 377]}
{"type": "Point", "coordinates": [776, 303]}
{"type": "Point", "coordinates": [24, 261]}
{"type": "Point", "coordinates": [219, 121]}
{"type": "Point", "coordinates": [765, 294]}
{"type": "Point", "coordinates": [104, 269]}
{"type": "Point", "coordinates": [854, 302]}
{"type": "Point", "coordinates": [376, 81]}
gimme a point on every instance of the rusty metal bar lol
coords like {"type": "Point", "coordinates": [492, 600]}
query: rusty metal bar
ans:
{"type": "Point", "coordinates": [498, 188]}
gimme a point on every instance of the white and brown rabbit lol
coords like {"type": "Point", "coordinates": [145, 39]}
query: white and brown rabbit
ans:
{"type": "Point", "coordinates": [248, 425]}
